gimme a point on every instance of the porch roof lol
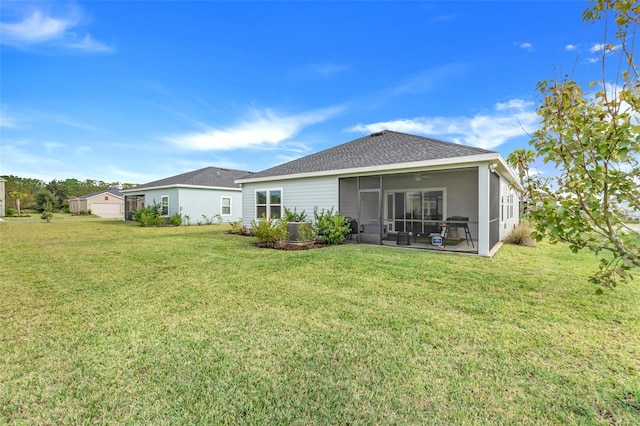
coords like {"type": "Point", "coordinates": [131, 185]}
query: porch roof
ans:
{"type": "Point", "coordinates": [378, 149]}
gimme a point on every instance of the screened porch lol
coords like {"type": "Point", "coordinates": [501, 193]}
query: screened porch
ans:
{"type": "Point", "coordinates": [435, 210]}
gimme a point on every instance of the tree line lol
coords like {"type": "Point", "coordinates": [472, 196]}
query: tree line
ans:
{"type": "Point", "coordinates": [35, 194]}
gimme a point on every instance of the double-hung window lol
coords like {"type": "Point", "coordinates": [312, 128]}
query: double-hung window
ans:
{"type": "Point", "coordinates": [269, 204]}
{"type": "Point", "coordinates": [225, 206]}
{"type": "Point", "coordinates": [164, 202]}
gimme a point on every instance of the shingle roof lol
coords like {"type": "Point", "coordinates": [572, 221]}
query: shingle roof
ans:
{"type": "Point", "coordinates": [114, 191]}
{"type": "Point", "coordinates": [209, 176]}
{"type": "Point", "coordinates": [378, 149]}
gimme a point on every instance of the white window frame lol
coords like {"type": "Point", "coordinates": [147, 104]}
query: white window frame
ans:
{"type": "Point", "coordinates": [222, 206]}
{"type": "Point", "coordinates": [268, 205]}
{"type": "Point", "coordinates": [162, 213]}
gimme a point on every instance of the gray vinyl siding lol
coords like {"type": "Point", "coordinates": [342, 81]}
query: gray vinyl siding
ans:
{"type": "Point", "coordinates": [510, 208]}
{"type": "Point", "coordinates": [312, 194]}
{"type": "Point", "coordinates": [196, 202]}
{"type": "Point", "coordinates": [156, 195]}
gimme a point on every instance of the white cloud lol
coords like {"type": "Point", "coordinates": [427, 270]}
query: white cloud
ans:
{"type": "Point", "coordinates": [35, 28]}
{"type": "Point", "coordinates": [88, 44]}
{"type": "Point", "coordinates": [570, 47]}
{"type": "Point", "coordinates": [7, 121]}
{"type": "Point", "coordinates": [262, 129]}
{"type": "Point", "coordinates": [39, 26]}
{"type": "Point", "coordinates": [50, 146]}
{"type": "Point", "coordinates": [509, 120]}
{"type": "Point", "coordinates": [526, 46]}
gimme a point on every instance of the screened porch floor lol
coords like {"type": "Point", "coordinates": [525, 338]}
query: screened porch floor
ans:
{"type": "Point", "coordinates": [455, 245]}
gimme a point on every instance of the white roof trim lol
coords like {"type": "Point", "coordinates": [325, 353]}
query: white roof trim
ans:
{"type": "Point", "coordinates": [452, 162]}
{"type": "Point", "coordinates": [178, 185]}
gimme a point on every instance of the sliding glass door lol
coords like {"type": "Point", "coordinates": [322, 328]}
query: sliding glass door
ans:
{"type": "Point", "coordinates": [415, 211]}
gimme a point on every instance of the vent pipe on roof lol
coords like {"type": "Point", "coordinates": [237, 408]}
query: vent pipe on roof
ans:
{"type": "Point", "coordinates": [373, 135]}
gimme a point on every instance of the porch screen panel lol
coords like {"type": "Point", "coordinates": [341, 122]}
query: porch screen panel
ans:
{"type": "Point", "coordinates": [399, 211]}
{"type": "Point", "coordinates": [370, 182]}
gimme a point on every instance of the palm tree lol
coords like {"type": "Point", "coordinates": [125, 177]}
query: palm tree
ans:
{"type": "Point", "coordinates": [18, 196]}
{"type": "Point", "coordinates": [520, 160]}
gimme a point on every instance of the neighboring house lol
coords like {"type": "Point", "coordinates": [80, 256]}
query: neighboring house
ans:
{"type": "Point", "coordinates": [206, 192]}
{"type": "Point", "coordinates": [394, 183]}
{"type": "Point", "coordinates": [2, 195]}
{"type": "Point", "coordinates": [108, 203]}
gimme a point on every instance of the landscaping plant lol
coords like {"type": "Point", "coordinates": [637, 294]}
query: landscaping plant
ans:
{"type": "Point", "coordinates": [330, 226]}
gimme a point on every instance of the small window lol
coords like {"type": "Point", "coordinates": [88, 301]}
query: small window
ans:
{"type": "Point", "coordinates": [106, 198]}
{"type": "Point", "coordinates": [225, 206]}
{"type": "Point", "coordinates": [165, 205]}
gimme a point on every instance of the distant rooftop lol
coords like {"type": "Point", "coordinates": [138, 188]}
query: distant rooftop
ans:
{"type": "Point", "coordinates": [207, 177]}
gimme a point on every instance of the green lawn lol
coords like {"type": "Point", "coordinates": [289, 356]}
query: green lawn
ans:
{"type": "Point", "coordinates": [107, 322]}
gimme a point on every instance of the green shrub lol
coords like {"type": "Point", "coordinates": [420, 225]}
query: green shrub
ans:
{"type": "Point", "coordinates": [176, 219]}
{"type": "Point", "coordinates": [10, 211]}
{"type": "Point", "coordinates": [294, 216]}
{"type": "Point", "coordinates": [149, 215]}
{"type": "Point", "coordinates": [331, 227]}
{"type": "Point", "coordinates": [237, 228]}
{"type": "Point", "coordinates": [47, 211]}
{"type": "Point", "coordinates": [306, 232]}
{"type": "Point", "coordinates": [270, 234]}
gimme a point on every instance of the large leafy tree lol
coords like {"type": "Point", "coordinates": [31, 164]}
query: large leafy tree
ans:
{"type": "Point", "coordinates": [593, 140]}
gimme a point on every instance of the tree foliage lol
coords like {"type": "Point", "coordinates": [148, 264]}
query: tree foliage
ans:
{"type": "Point", "coordinates": [59, 190]}
{"type": "Point", "coordinates": [593, 140]}
{"type": "Point", "coordinates": [520, 160]}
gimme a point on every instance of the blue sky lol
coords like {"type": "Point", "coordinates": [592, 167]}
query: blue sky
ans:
{"type": "Point", "coordinates": [138, 91]}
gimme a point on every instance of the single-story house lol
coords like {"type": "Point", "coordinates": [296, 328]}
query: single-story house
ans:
{"type": "Point", "coordinates": [396, 187]}
{"type": "Point", "coordinates": [108, 203]}
{"type": "Point", "coordinates": [205, 192]}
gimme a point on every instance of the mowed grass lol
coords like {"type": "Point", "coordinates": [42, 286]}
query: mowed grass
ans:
{"type": "Point", "coordinates": [107, 322]}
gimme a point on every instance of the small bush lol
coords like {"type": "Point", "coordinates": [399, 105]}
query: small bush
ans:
{"type": "Point", "coordinates": [306, 233]}
{"type": "Point", "coordinates": [520, 235]}
{"type": "Point", "coordinates": [238, 228]}
{"type": "Point", "coordinates": [176, 219]}
{"type": "Point", "coordinates": [331, 227]}
{"type": "Point", "coordinates": [149, 215]}
{"type": "Point", "coordinates": [270, 234]}
{"type": "Point", "coordinates": [294, 216]}
{"type": "Point", "coordinates": [10, 211]}
{"type": "Point", "coordinates": [47, 211]}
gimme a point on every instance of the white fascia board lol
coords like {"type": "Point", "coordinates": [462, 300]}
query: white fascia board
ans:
{"type": "Point", "coordinates": [443, 163]}
{"type": "Point", "coordinates": [149, 188]}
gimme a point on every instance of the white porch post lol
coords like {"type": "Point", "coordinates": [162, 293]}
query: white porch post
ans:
{"type": "Point", "coordinates": [483, 210]}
